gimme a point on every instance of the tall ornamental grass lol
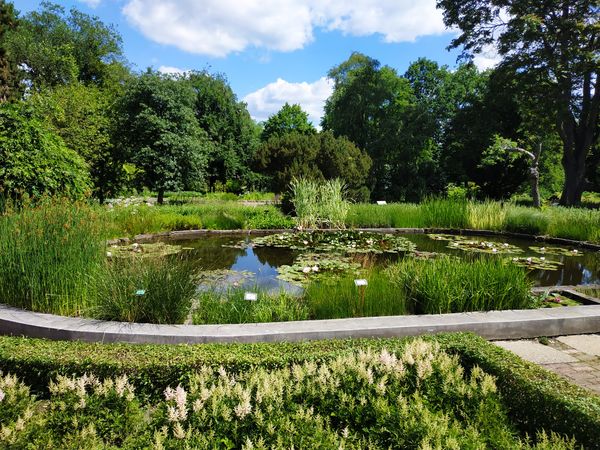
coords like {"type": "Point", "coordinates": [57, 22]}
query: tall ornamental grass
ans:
{"type": "Point", "coordinates": [48, 254]}
{"type": "Point", "coordinates": [574, 223]}
{"type": "Point", "coordinates": [449, 285]}
{"type": "Point", "coordinates": [520, 219]}
{"type": "Point", "coordinates": [445, 213]}
{"type": "Point", "coordinates": [418, 397]}
{"type": "Point", "coordinates": [319, 203]}
{"type": "Point", "coordinates": [150, 290]}
{"type": "Point", "coordinates": [487, 215]}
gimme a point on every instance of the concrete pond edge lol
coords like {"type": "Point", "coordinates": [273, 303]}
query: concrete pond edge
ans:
{"type": "Point", "coordinates": [510, 324]}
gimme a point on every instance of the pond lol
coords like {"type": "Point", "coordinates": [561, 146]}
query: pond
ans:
{"type": "Point", "coordinates": [240, 260]}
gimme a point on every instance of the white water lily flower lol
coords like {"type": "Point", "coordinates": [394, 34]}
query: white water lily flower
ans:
{"type": "Point", "coordinates": [109, 254]}
{"type": "Point", "coordinates": [575, 250]}
{"type": "Point", "coordinates": [305, 242]}
{"type": "Point", "coordinates": [306, 269]}
{"type": "Point", "coordinates": [515, 259]}
{"type": "Point", "coordinates": [315, 268]}
{"type": "Point", "coordinates": [494, 250]}
{"type": "Point", "coordinates": [528, 259]}
{"type": "Point", "coordinates": [2, 395]}
{"type": "Point", "coordinates": [505, 245]}
{"type": "Point", "coordinates": [543, 249]}
{"type": "Point", "coordinates": [542, 258]}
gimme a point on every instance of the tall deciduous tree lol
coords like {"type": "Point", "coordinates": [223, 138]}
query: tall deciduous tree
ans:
{"type": "Point", "coordinates": [157, 128]}
{"type": "Point", "coordinates": [228, 124]}
{"type": "Point", "coordinates": [9, 77]}
{"type": "Point", "coordinates": [53, 47]}
{"type": "Point", "coordinates": [552, 47]}
{"type": "Point", "coordinates": [289, 118]}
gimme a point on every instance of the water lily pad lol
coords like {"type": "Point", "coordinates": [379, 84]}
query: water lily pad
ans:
{"type": "Point", "coordinates": [447, 237]}
{"type": "Point", "coordinates": [556, 251]}
{"type": "Point", "coordinates": [534, 262]}
{"type": "Point", "coordinates": [555, 300]}
{"type": "Point", "coordinates": [339, 242]}
{"type": "Point", "coordinates": [311, 266]}
{"type": "Point", "coordinates": [153, 250]}
{"type": "Point", "coordinates": [222, 277]}
{"type": "Point", "coordinates": [484, 247]}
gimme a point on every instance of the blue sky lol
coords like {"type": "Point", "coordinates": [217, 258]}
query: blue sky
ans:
{"type": "Point", "coordinates": [273, 51]}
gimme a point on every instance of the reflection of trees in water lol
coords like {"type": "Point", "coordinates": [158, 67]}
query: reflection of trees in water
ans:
{"type": "Point", "coordinates": [209, 253]}
{"type": "Point", "coordinates": [274, 256]}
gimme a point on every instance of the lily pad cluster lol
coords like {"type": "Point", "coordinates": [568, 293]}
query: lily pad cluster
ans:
{"type": "Point", "coordinates": [447, 237]}
{"type": "Point", "coordinates": [344, 242]}
{"type": "Point", "coordinates": [311, 266]}
{"type": "Point", "coordinates": [484, 247]}
{"type": "Point", "coordinates": [555, 300]}
{"type": "Point", "coordinates": [534, 262]}
{"type": "Point", "coordinates": [219, 277]}
{"type": "Point", "coordinates": [153, 250]}
{"type": "Point", "coordinates": [560, 251]}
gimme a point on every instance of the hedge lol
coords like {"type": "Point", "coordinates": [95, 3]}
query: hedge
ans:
{"type": "Point", "coordinates": [536, 399]}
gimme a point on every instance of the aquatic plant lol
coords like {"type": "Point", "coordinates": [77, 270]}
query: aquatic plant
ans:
{"type": "Point", "coordinates": [484, 246]}
{"type": "Point", "coordinates": [144, 250]}
{"type": "Point", "coordinates": [549, 250]}
{"type": "Point", "coordinates": [534, 262]}
{"type": "Point", "coordinates": [311, 266]}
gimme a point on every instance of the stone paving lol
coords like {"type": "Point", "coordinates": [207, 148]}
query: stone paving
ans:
{"type": "Point", "coordinates": [576, 358]}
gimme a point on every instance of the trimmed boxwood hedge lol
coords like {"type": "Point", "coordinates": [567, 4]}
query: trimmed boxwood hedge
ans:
{"type": "Point", "coordinates": [535, 398]}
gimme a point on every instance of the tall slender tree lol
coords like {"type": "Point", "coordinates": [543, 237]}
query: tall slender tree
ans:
{"type": "Point", "coordinates": [9, 74]}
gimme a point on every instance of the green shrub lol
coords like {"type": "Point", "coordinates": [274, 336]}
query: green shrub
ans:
{"type": "Point", "coordinates": [447, 285]}
{"type": "Point", "coordinates": [374, 394]}
{"type": "Point", "coordinates": [136, 289]}
{"type": "Point", "coordinates": [520, 219]}
{"type": "Point", "coordinates": [267, 218]}
{"type": "Point", "coordinates": [47, 253]}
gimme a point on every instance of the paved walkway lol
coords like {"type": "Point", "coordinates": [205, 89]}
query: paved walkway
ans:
{"type": "Point", "coordinates": [576, 358]}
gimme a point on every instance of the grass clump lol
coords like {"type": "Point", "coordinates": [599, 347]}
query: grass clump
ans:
{"type": "Point", "coordinates": [520, 219]}
{"type": "Point", "coordinates": [340, 298]}
{"type": "Point", "coordinates": [448, 285]}
{"type": "Point", "coordinates": [319, 204]}
{"type": "Point", "coordinates": [574, 223]}
{"type": "Point", "coordinates": [487, 215]}
{"type": "Point", "coordinates": [445, 213]}
{"type": "Point", "coordinates": [151, 290]}
{"type": "Point", "coordinates": [47, 253]}
{"type": "Point", "coordinates": [230, 307]}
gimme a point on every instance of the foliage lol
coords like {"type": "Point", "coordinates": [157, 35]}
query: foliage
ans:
{"type": "Point", "coordinates": [53, 250]}
{"type": "Point", "coordinates": [316, 156]}
{"type": "Point", "coordinates": [55, 48]}
{"type": "Point", "coordinates": [136, 289]}
{"type": "Point", "coordinates": [551, 50]}
{"type": "Point", "coordinates": [35, 161]}
{"type": "Point", "coordinates": [432, 387]}
{"type": "Point", "coordinates": [158, 130]}
{"type": "Point", "coordinates": [526, 220]}
{"type": "Point", "coordinates": [9, 78]}
{"type": "Point", "coordinates": [445, 285]}
{"type": "Point", "coordinates": [230, 129]}
{"type": "Point", "coordinates": [290, 118]}
{"type": "Point", "coordinates": [82, 116]}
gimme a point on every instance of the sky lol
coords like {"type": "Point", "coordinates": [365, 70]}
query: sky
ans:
{"type": "Point", "coordinates": [273, 51]}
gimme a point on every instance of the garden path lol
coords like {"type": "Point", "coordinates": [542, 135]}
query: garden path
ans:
{"type": "Point", "coordinates": [576, 358]}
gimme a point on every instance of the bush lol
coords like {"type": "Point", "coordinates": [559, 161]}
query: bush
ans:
{"type": "Point", "coordinates": [534, 398]}
{"type": "Point", "coordinates": [137, 289]}
{"type": "Point", "coordinates": [35, 161]}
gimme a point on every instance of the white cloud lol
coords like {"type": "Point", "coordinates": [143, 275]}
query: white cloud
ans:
{"type": "Point", "coordinates": [172, 70]}
{"type": "Point", "coordinates": [310, 96]}
{"type": "Point", "coordinates": [219, 27]}
{"type": "Point", "coordinates": [91, 3]}
{"type": "Point", "coordinates": [488, 58]}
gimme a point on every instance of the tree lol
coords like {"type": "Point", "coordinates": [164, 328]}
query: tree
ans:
{"type": "Point", "coordinates": [54, 48]}
{"type": "Point", "coordinates": [552, 48]}
{"type": "Point", "coordinates": [34, 161]}
{"type": "Point", "coordinates": [367, 106]}
{"type": "Point", "coordinates": [9, 78]}
{"type": "Point", "coordinates": [157, 129]}
{"type": "Point", "coordinates": [289, 118]}
{"type": "Point", "coordinates": [228, 125]}
{"type": "Point", "coordinates": [83, 117]}
{"type": "Point", "coordinates": [316, 156]}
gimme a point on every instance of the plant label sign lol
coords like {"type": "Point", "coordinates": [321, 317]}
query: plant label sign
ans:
{"type": "Point", "coordinates": [250, 296]}
{"type": "Point", "coordinates": [140, 292]}
{"type": "Point", "coordinates": [381, 202]}
{"type": "Point", "coordinates": [361, 282]}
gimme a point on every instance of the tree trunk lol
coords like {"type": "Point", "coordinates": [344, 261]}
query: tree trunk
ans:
{"type": "Point", "coordinates": [161, 196]}
{"type": "Point", "coordinates": [574, 180]}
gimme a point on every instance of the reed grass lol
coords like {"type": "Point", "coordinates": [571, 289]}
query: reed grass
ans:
{"type": "Point", "coordinates": [520, 219]}
{"type": "Point", "coordinates": [445, 213]}
{"type": "Point", "coordinates": [448, 285]}
{"type": "Point", "coordinates": [305, 198]}
{"type": "Point", "coordinates": [48, 251]}
{"type": "Point", "coordinates": [487, 215]}
{"type": "Point", "coordinates": [230, 307]}
{"type": "Point", "coordinates": [341, 298]}
{"type": "Point", "coordinates": [574, 223]}
{"type": "Point", "coordinates": [151, 290]}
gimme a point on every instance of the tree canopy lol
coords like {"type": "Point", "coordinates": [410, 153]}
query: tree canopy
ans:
{"type": "Point", "coordinates": [289, 118]}
{"type": "Point", "coordinates": [552, 48]}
